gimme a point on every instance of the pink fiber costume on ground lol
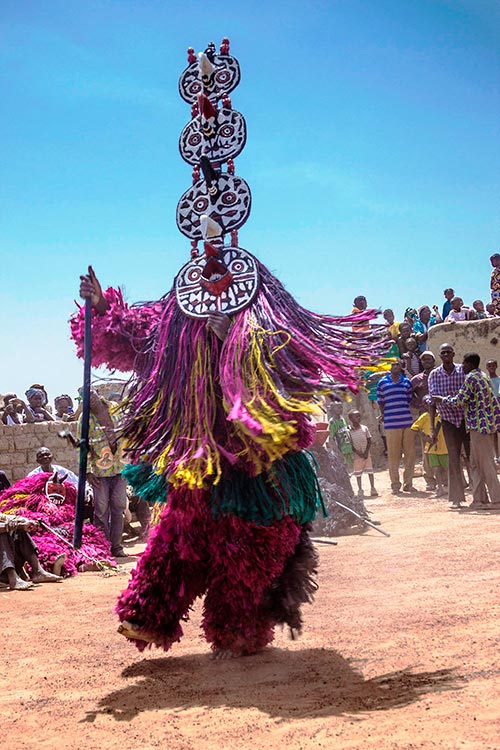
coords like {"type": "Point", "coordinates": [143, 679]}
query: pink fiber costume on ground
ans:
{"type": "Point", "coordinates": [28, 498]}
{"type": "Point", "coordinates": [216, 429]}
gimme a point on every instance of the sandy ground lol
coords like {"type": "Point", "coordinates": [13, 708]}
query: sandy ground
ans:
{"type": "Point", "coordinates": [400, 650]}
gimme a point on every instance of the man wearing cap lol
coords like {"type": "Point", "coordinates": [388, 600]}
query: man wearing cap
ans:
{"type": "Point", "coordinates": [446, 380]}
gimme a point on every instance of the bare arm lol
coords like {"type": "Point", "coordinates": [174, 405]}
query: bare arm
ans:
{"type": "Point", "coordinates": [28, 416]}
{"type": "Point", "coordinates": [368, 446]}
{"type": "Point", "coordinates": [437, 314]}
{"type": "Point", "coordinates": [90, 288]}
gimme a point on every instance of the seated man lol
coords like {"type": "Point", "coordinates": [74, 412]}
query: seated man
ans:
{"type": "Point", "coordinates": [44, 457]}
{"type": "Point", "coordinates": [17, 549]}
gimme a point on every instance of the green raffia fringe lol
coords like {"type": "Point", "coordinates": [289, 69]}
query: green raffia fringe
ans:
{"type": "Point", "coordinates": [145, 483]}
{"type": "Point", "coordinates": [289, 488]}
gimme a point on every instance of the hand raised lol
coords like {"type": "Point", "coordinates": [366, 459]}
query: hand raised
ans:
{"type": "Point", "coordinates": [90, 287]}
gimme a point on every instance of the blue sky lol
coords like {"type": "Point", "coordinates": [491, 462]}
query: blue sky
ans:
{"type": "Point", "coordinates": [373, 154]}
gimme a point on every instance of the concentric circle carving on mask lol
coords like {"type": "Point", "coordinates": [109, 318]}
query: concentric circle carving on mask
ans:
{"type": "Point", "coordinates": [225, 78]}
{"type": "Point", "coordinates": [228, 202]}
{"type": "Point", "coordinates": [220, 138]}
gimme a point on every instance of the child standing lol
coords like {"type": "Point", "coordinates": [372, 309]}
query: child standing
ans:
{"type": "Point", "coordinates": [362, 461]}
{"type": "Point", "coordinates": [411, 357]}
{"type": "Point", "coordinates": [437, 452]}
{"type": "Point", "coordinates": [339, 431]}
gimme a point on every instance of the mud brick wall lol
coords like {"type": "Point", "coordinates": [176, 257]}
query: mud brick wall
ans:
{"type": "Point", "coordinates": [19, 444]}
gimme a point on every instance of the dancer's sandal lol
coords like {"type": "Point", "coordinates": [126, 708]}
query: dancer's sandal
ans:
{"type": "Point", "coordinates": [129, 630]}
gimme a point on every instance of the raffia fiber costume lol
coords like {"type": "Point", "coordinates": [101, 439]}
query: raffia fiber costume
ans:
{"type": "Point", "coordinates": [33, 498]}
{"type": "Point", "coordinates": [223, 424]}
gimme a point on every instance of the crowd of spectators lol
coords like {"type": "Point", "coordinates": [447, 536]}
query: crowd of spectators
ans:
{"type": "Point", "coordinates": [36, 407]}
{"type": "Point", "coordinates": [454, 409]}
{"type": "Point", "coordinates": [109, 502]}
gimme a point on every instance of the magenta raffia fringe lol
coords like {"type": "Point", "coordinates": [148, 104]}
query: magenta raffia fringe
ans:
{"type": "Point", "coordinates": [191, 553]}
{"type": "Point", "coordinates": [197, 406]}
{"type": "Point", "coordinates": [27, 498]}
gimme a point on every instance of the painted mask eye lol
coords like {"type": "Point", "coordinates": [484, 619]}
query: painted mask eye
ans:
{"type": "Point", "coordinates": [223, 77]}
{"type": "Point", "coordinates": [227, 131]}
{"type": "Point", "coordinates": [195, 88]}
{"type": "Point", "coordinates": [193, 275]}
{"type": "Point", "coordinates": [228, 199]}
{"type": "Point", "coordinates": [200, 205]}
{"type": "Point", "coordinates": [194, 139]}
{"type": "Point", "coordinates": [237, 266]}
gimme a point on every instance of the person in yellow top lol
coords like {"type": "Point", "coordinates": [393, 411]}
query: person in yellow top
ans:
{"type": "Point", "coordinates": [436, 451]}
{"type": "Point", "coordinates": [392, 324]}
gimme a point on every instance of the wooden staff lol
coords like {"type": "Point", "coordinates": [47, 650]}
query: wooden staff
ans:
{"type": "Point", "coordinates": [84, 433]}
{"type": "Point", "coordinates": [365, 520]}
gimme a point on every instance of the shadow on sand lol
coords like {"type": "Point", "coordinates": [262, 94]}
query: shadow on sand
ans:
{"type": "Point", "coordinates": [282, 684]}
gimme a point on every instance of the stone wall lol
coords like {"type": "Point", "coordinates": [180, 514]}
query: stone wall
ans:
{"type": "Point", "coordinates": [481, 336]}
{"type": "Point", "coordinates": [20, 442]}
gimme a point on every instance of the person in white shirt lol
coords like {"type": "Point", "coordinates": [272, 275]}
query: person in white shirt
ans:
{"type": "Point", "coordinates": [44, 458]}
{"type": "Point", "coordinates": [362, 461]}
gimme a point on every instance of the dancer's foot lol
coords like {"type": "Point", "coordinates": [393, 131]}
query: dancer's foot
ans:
{"type": "Point", "coordinates": [43, 576]}
{"type": "Point", "coordinates": [129, 630]}
{"type": "Point", "coordinates": [240, 647]}
{"type": "Point", "coordinates": [221, 654]}
{"type": "Point", "coordinates": [20, 585]}
{"type": "Point", "coordinates": [58, 563]}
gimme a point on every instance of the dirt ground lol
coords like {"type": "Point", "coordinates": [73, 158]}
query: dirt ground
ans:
{"type": "Point", "coordinates": [400, 650]}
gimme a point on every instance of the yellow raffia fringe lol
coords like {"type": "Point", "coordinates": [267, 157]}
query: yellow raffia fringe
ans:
{"type": "Point", "coordinates": [17, 496]}
{"type": "Point", "coordinates": [194, 430]}
{"type": "Point", "coordinates": [277, 436]}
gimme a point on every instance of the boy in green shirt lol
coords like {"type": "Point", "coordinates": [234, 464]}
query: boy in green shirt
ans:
{"type": "Point", "coordinates": [339, 431]}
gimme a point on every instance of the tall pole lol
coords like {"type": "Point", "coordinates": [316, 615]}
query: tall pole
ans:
{"type": "Point", "coordinates": [84, 432]}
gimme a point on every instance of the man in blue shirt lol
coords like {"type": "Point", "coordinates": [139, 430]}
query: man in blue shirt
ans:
{"type": "Point", "coordinates": [394, 394]}
{"type": "Point", "coordinates": [449, 294]}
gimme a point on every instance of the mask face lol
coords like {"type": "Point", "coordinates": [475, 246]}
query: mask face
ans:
{"type": "Point", "coordinates": [220, 137]}
{"type": "Point", "coordinates": [227, 282]}
{"type": "Point", "coordinates": [55, 492]}
{"type": "Point", "coordinates": [216, 80]}
{"type": "Point", "coordinates": [227, 200]}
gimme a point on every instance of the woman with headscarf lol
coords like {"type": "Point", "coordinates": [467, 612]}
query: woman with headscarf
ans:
{"type": "Point", "coordinates": [36, 405]}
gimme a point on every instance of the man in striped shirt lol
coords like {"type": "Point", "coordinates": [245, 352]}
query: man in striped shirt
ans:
{"type": "Point", "coordinates": [447, 380]}
{"type": "Point", "coordinates": [394, 394]}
